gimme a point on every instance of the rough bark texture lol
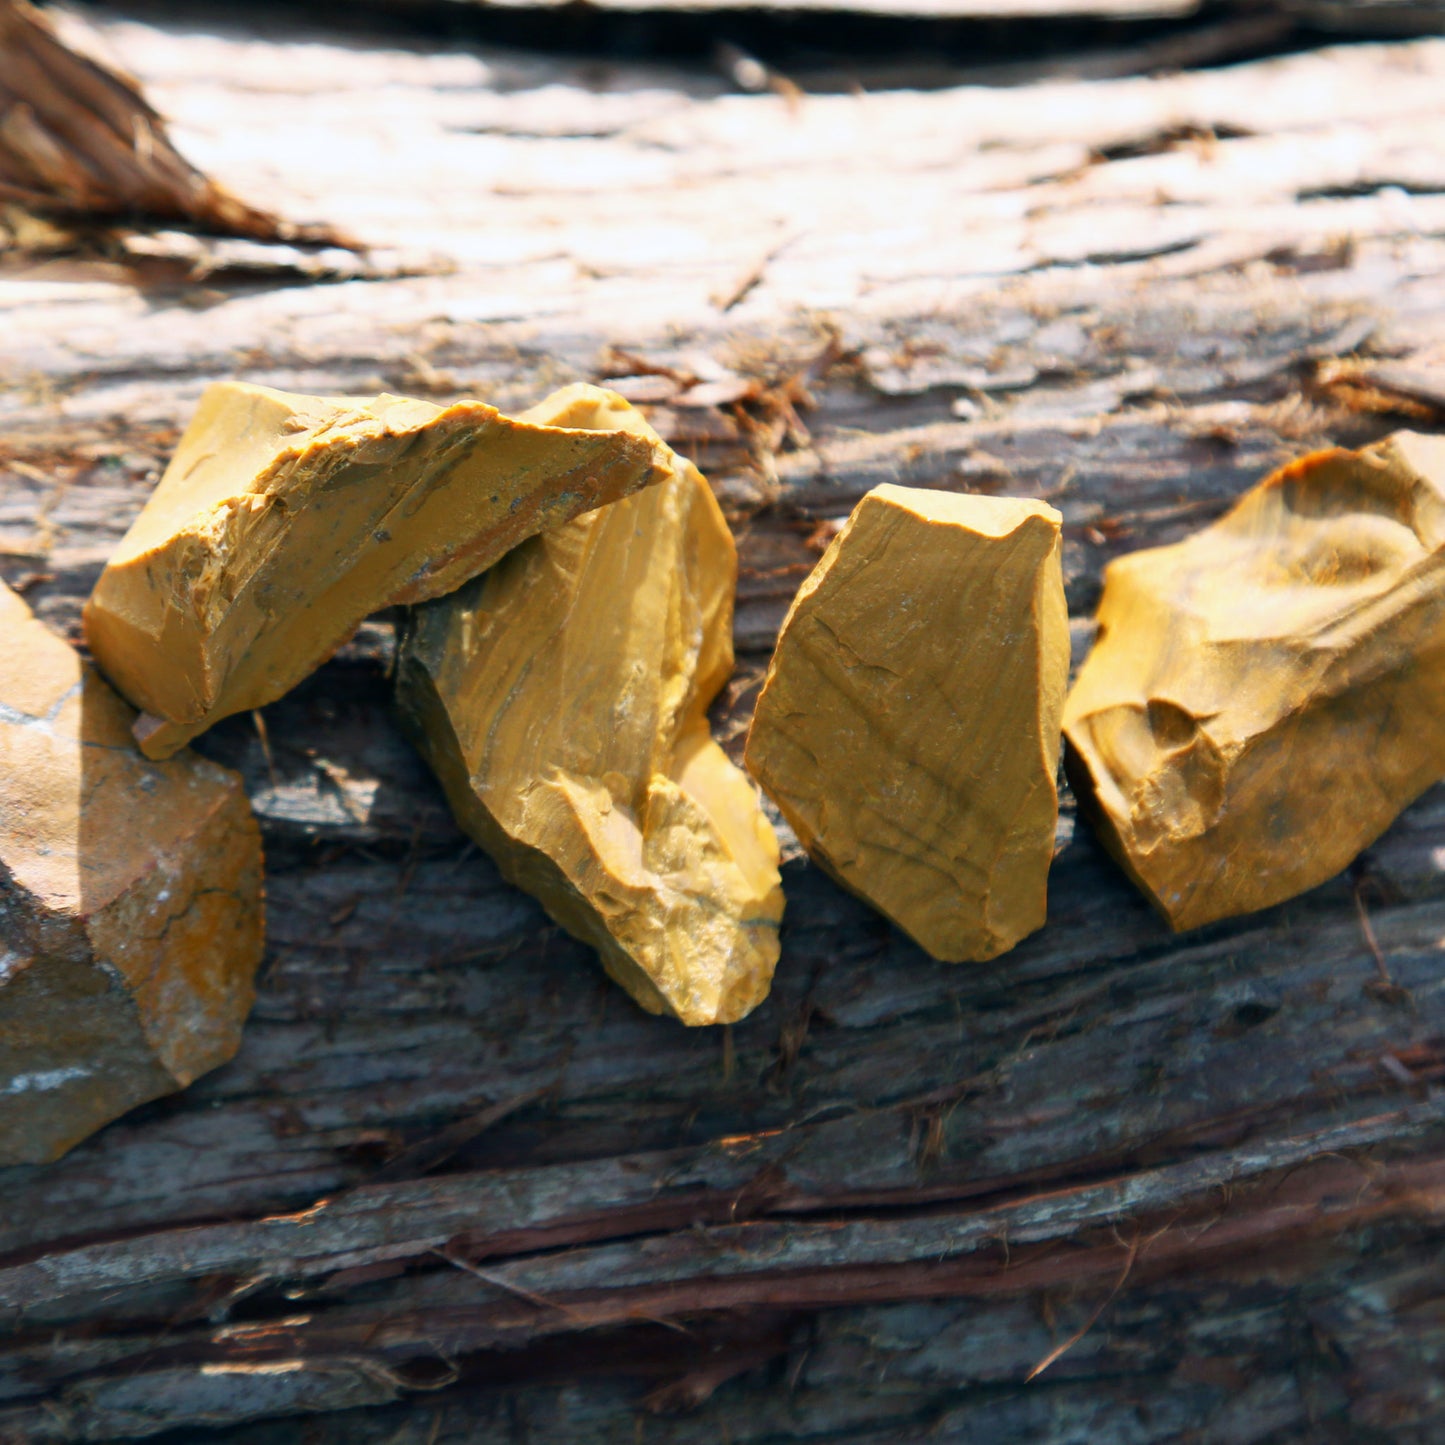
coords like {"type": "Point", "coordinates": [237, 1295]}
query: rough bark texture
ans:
{"type": "Point", "coordinates": [456, 1187]}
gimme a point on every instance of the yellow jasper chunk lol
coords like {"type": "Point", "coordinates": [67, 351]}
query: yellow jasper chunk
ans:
{"type": "Point", "coordinates": [130, 903]}
{"type": "Point", "coordinates": [282, 521]}
{"type": "Point", "coordinates": [908, 727]}
{"type": "Point", "coordinates": [1264, 698]}
{"type": "Point", "coordinates": [562, 700]}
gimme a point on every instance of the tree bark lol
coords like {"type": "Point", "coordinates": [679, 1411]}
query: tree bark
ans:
{"type": "Point", "coordinates": [456, 1185]}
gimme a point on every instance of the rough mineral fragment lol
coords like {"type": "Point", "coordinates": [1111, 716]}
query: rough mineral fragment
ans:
{"type": "Point", "coordinates": [909, 724]}
{"type": "Point", "coordinates": [282, 521]}
{"type": "Point", "coordinates": [562, 700]}
{"type": "Point", "coordinates": [130, 903]}
{"type": "Point", "coordinates": [1266, 696]}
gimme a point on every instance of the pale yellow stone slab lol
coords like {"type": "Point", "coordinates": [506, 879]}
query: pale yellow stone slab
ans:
{"type": "Point", "coordinates": [1265, 697]}
{"type": "Point", "coordinates": [908, 728]}
{"type": "Point", "coordinates": [561, 699]}
{"type": "Point", "coordinates": [130, 903]}
{"type": "Point", "coordinates": [283, 520]}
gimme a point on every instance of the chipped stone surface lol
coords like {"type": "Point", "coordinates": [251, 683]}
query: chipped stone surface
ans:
{"type": "Point", "coordinates": [908, 728]}
{"type": "Point", "coordinates": [562, 700]}
{"type": "Point", "coordinates": [283, 520]}
{"type": "Point", "coordinates": [1265, 697]}
{"type": "Point", "coordinates": [130, 903]}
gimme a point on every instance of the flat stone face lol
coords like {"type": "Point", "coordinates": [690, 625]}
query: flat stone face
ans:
{"type": "Point", "coordinates": [283, 520]}
{"type": "Point", "coordinates": [562, 700]}
{"type": "Point", "coordinates": [1265, 697]}
{"type": "Point", "coordinates": [909, 724]}
{"type": "Point", "coordinates": [130, 903]}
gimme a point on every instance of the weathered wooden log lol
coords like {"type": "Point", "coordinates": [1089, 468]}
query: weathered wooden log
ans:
{"type": "Point", "coordinates": [450, 1168]}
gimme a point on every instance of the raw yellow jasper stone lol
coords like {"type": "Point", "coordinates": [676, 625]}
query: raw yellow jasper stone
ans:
{"type": "Point", "coordinates": [130, 903]}
{"type": "Point", "coordinates": [282, 521]}
{"type": "Point", "coordinates": [1266, 696]}
{"type": "Point", "coordinates": [909, 724]}
{"type": "Point", "coordinates": [562, 699]}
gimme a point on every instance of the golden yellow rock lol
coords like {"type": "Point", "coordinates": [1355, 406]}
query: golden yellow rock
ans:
{"type": "Point", "coordinates": [130, 903]}
{"type": "Point", "coordinates": [909, 724]}
{"type": "Point", "coordinates": [1266, 696]}
{"type": "Point", "coordinates": [283, 520]}
{"type": "Point", "coordinates": [562, 698]}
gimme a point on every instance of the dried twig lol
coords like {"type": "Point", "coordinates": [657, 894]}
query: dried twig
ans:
{"type": "Point", "coordinates": [497, 1282]}
{"type": "Point", "coordinates": [1384, 987]}
{"type": "Point", "coordinates": [439, 1147]}
{"type": "Point", "coordinates": [259, 722]}
{"type": "Point", "coordinates": [753, 276]}
{"type": "Point", "coordinates": [1059, 1350]}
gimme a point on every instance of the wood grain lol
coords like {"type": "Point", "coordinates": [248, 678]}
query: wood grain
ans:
{"type": "Point", "coordinates": [456, 1185]}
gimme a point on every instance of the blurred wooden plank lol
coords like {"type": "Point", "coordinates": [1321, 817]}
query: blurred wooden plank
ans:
{"type": "Point", "coordinates": [922, 9]}
{"type": "Point", "coordinates": [1380, 17]}
{"type": "Point", "coordinates": [1357, 17]}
